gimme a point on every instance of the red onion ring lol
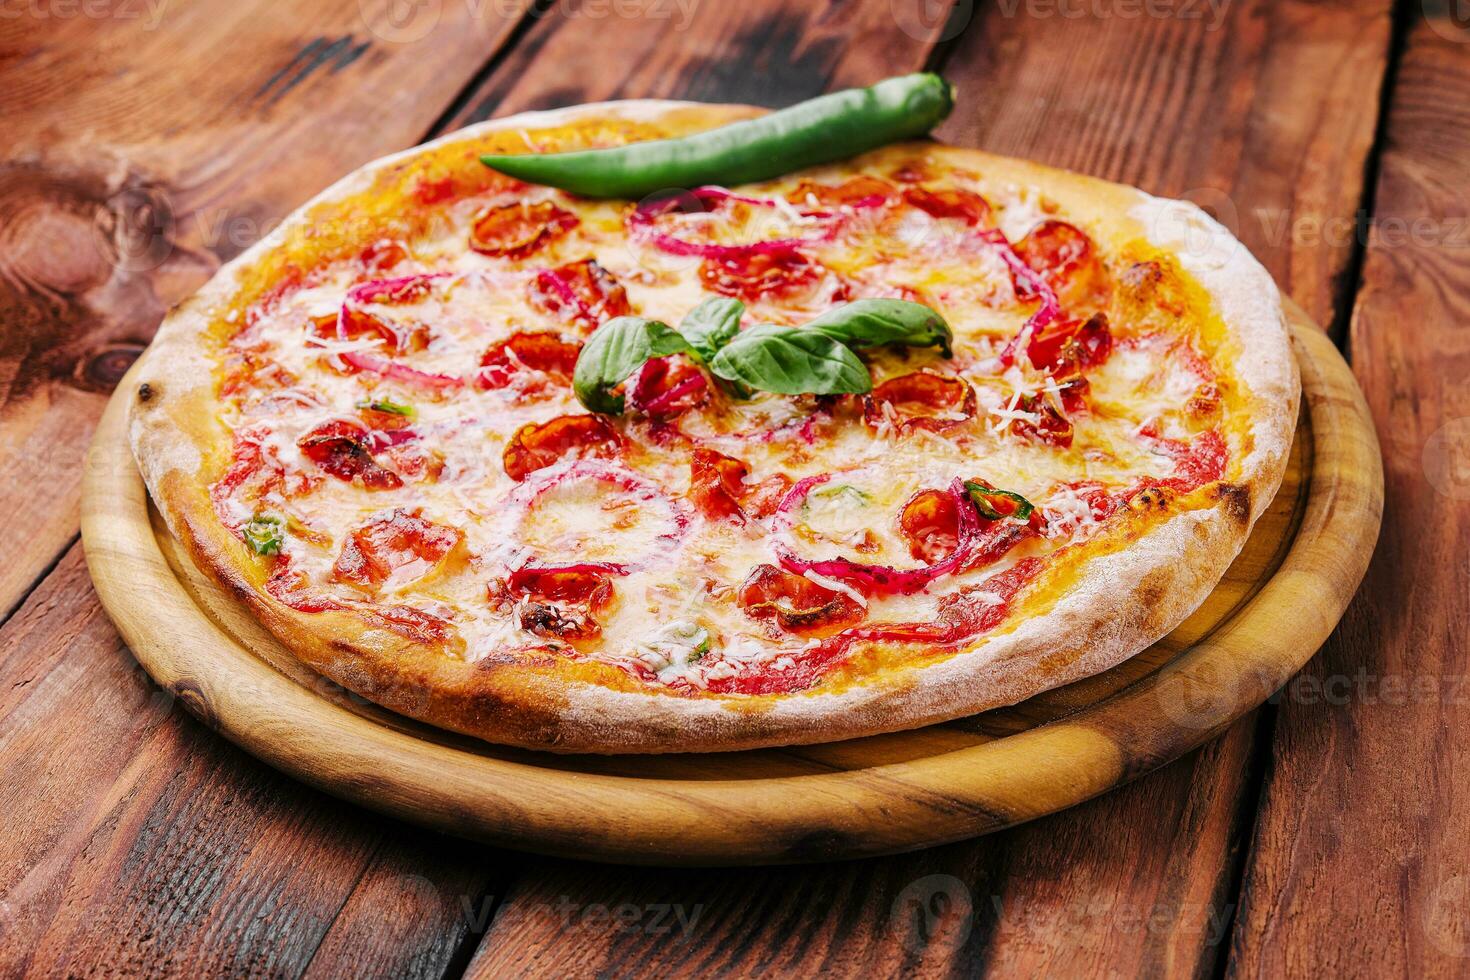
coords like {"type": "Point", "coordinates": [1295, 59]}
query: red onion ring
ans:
{"type": "Point", "coordinates": [525, 495]}
{"type": "Point", "coordinates": [658, 403]}
{"type": "Point", "coordinates": [1050, 307]}
{"type": "Point", "coordinates": [374, 291]}
{"type": "Point", "coordinates": [640, 223]}
{"type": "Point", "coordinates": [875, 579]}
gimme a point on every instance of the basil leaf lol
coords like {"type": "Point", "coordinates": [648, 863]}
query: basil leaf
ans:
{"type": "Point", "coordinates": [875, 322]}
{"type": "Point", "coordinates": [264, 534]}
{"type": "Point", "coordinates": [791, 361]}
{"type": "Point", "coordinates": [618, 348]}
{"type": "Point", "coordinates": [712, 324]}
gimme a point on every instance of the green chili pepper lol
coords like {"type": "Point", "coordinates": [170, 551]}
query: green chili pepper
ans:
{"type": "Point", "coordinates": [832, 127]}
{"type": "Point", "coordinates": [995, 505]}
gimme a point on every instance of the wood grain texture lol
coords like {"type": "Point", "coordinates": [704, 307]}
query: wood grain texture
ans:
{"type": "Point", "coordinates": [1265, 117]}
{"type": "Point", "coordinates": [737, 808]}
{"type": "Point", "coordinates": [1261, 112]}
{"type": "Point", "coordinates": [145, 144]}
{"type": "Point", "coordinates": [137, 841]}
{"type": "Point", "coordinates": [764, 54]}
{"type": "Point", "coordinates": [1359, 865]}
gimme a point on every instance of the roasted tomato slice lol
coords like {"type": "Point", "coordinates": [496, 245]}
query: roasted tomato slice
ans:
{"type": "Point", "coordinates": [751, 275]}
{"type": "Point", "coordinates": [402, 545]}
{"type": "Point", "coordinates": [536, 446]}
{"type": "Point", "coordinates": [382, 255]}
{"type": "Point", "coordinates": [1071, 345]}
{"type": "Point", "coordinates": [525, 355]}
{"type": "Point", "coordinates": [417, 625]}
{"type": "Point", "coordinates": [930, 522]}
{"type": "Point", "coordinates": [580, 293]}
{"type": "Point", "coordinates": [796, 604]}
{"type": "Point", "coordinates": [921, 400]}
{"type": "Point", "coordinates": [950, 202]}
{"type": "Point", "coordinates": [855, 192]}
{"type": "Point", "coordinates": [718, 488]}
{"type": "Point", "coordinates": [561, 602]}
{"type": "Point", "coordinates": [1063, 255]}
{"type": "Point", "coordinates": [1048, 425]}
{"type": "Point", "coordinates": [340, 447]}
{"type": "Point", "coordinates": [518, 229]}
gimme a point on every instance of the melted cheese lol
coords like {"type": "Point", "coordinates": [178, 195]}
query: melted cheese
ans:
{"type": "Point", "coordinates": [685, 569]}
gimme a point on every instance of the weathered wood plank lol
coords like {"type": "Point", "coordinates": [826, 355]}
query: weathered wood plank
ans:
{"type": "Point", "coordinates": [1265, 117]}
{"type": "Point", "coordinates": [1248, 117]}
{"type": "Point", "coordinates": [141, 152]}
{"type": "Point", "coordinates": [137, 840]}
{"type": "Point", "coordinates": [146, 143]}
{"type": "Point", "coordinates": [760, 53]}
{"type": "Point", "coordinates": [1359, 865]}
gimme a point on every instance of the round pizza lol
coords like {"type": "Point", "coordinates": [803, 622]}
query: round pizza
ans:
{"type": "Point", "coordinates": [875, 444]}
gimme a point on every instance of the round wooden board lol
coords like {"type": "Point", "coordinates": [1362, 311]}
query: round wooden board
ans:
{"type": "Point", "coordinates": [888, 793]}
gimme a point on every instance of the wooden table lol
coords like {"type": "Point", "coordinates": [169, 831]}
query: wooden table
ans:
{"type": "Point", "coordinates": [146, 141]}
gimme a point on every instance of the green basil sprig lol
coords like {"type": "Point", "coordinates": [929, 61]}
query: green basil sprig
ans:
{"type": "Point", "coordinates": [814, 359]}
{"type": "Point", "coordinates": [880, 322]}
{"type": "Point", "coordinates": [712, 324]}
{"type": "Point", "coordinates": [791, 361]}
{"type": "Point", "coordinates": [618, 348]}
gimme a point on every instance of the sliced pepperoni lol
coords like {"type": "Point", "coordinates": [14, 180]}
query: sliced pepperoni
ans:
{"type": "Point", "coordinates": [718, 488]}
{"type": "Point", "coordinates": [562, 602]}
{"type": "Point", "coordinates": [394, 542]}
{"type": "Point", "coordinates": [340, 447]}
{"type": "Point", "coordinates": [856, 192]}
{"type": "Point", "coordinates": [921, 400]}
{"type": "Point", "coordinates": [580, 293]}
{"type": "Point", "coordinates": [525, 356]}
{"type": "Point", "coordinates": [751, 275]}
{"type": "Point", "coordinates": [950, 202]}
{"type": "Point", "coordinates": [1063, 346]}
{"type": "Point", "coordinates": [536, 446]}
{"type": "Point", "coordinates": [1067, 259]}
{"type": "Point", "coordinates": [518, 229]}
{"type": "Point", "coordinates": [795, 603]}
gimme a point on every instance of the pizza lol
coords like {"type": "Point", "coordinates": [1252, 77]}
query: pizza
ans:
{"type": "Point", "coordinates": [368, 428]}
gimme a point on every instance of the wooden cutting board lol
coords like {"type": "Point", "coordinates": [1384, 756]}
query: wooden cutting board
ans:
{"type": "Point", "coordinates": [1274, 607]}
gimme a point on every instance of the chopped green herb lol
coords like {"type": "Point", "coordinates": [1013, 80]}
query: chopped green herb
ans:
{"type": "Point", "coordinates": [265, 534]}
{"type": "Point", "coordinates": [846, 490]}
{"type": "Point", "coordinates": [386, 405]}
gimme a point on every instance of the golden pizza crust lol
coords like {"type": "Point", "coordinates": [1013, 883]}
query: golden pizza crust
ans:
{"type": "Point", "coordinates": [1114, 605]}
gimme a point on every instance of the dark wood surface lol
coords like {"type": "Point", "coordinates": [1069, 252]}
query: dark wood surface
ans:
{"type": "Point", "coordinates": [147, 143]}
